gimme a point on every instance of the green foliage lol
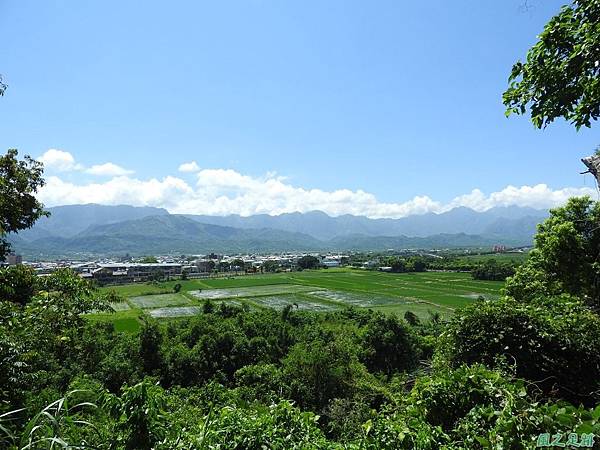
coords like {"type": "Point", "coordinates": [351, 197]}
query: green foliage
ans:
{"type": "Point", "coordinates": [113, 296]}
{"type": "Point", "coordinates": [346, 416]}
{"type": "Point", "coordinates": [565, 257]}
{"type": "Point", "coordinates": [411, 318]}
{"type": "Point", "coordinates": [472, 408]}
{"type": "Point", "coordinates": [263, 383]}
{"type": "Point", "coordinates": [223, 266]}
{"type": "Point", "coordinates": [63, 297]}
{"type": "Point", "coordinates": [57, 425]}
{"type": "Point", "coordinates": [177, 288]}
{"type": "Point", "coordinates": [36, 336]}
{"type": "Point", "coordinates": [139, 416]}
{"type": "Point", "coordinates": [308, 262]}
{"type": "Point", "coordinates": [401, 264]}
{"type": "Point", "coordinates": [493, 271]}
{"type": "Point", "coordinates": [555, 344]}
{"type": "Point", "coordinates": [17, 284]}
{"type": "Point", "coordinates": [389, 345]}
{"type": "Point", "coordinates": [560, 75]}
{"type": "Point", "coordinates": [208, 306]}
{"type": "Point", "coordinates": [270, 266]}
{"type": "Point", "coordinates": [279, 427]}
{"type": "Point", "coordinates": [151, 339]}
{"type": "Point", "coordinates": [238, 264]}
{"type": "Point", "coordinates": [148, 260]}
{"type": "Point", "coordinates": [320, 370]}
{"type": "Point", "coordinates": [19, 182]}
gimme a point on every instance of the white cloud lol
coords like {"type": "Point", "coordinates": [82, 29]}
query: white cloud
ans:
{"type": "Point", "coordinates": [226, 191]}
{"type": "Point", "coordinates": [191, 166]}
{"type": "Point", "coordinates": [62, 161]}
{"type": "Point", "coordinates": [59, 160]}
{"type": "Point", "coordinates": [108, 170]}
{"type": "Point", "coordinates": [119, 190]}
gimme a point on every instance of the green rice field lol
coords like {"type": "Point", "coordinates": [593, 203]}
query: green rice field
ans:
{"type": "Point", "coordinates": [158, 300]}
{"type": "Point", "coordinates": [323, 290]}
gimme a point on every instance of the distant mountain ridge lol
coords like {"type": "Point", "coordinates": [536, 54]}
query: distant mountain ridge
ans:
{"type": "Point", "coordinates": [457, 220]}
{"type": "Point", "coordinates": [68, 220]}
{"type": "Point", "coordinates": [165, 234]}
{"type": "Point", "coordinates": [117, 230]}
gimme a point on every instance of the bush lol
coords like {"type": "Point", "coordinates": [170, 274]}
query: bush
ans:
{"type": "Point", "coordinates": [472, 408]}
{"type": "Point", "coordinates": [278, 427]}
{"type": "Point", "coordinates": [389, 345]}
{"type": "Point", "coordinates": [491, 270]}
{"type": "Point", "coordinates": [261, 383]}
{"type": "Point", "coordinates": [319, 371]}
{"type": "Point", "coordinates": [565, 258]}
{"type": "Point", "coordinates": [555, 344]}
{"type": "Point", "coordinates": [17, 284]}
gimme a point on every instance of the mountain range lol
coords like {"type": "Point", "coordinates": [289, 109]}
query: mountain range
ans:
{"type": "Point", "coordinates": [86, 230]}
{"type": "Point", "coordinates": [521, 223]}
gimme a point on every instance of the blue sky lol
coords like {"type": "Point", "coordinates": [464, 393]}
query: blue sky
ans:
{"type": "Point", "coordinates": [282, 105]}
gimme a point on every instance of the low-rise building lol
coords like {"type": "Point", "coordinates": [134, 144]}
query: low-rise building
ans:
{"type": "Point", "coordinates": [134, 272]}
{"type": "Point", "coordinates": [330, 262]}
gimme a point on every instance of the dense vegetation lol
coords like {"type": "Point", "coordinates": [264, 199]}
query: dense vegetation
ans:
{"type": "Point", "coordinates": [511, 373]}
{"type": "Point", "coordinates": [493, 270]}
{"type": "Point", "coordinates": [496, 376]}
{"type": "Point", "coordinates": [559, 77]}
{"type": "Point", "coordinates": [236, 378]}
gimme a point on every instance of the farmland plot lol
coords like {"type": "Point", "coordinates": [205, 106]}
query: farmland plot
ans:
{"type": "Point", "coordinates": [181, 311]}
{"type": "Point", "coordinates": [120, 306]}
{"type": "Point", "coordinates": [250, 291]}
{"type": "Point", "coordinates": [362, 300]}
{"type": "Point", "coordinates": [160, 300]}
{"type": "Point", "coordinates": [298, 301]}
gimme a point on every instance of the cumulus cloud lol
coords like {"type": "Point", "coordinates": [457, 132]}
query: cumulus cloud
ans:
{"type": "Point", "coordinates": [108, 170]}
{"type": "Point", "coordinates": [191, 166]}
{"type": "Point", "coordinates": [59, 160]}
{"type": "Point", "coordinates": [62, 161]}
{"type": "Point", "coordinates": [226, 191]}
{"type": "Point", "coordinates": [119, 190]}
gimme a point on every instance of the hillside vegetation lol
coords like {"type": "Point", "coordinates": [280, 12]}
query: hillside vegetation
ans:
{"type": "Point", "coordinates": [497, 374]}
{"type": "Point", "coordinates": [519, 370]}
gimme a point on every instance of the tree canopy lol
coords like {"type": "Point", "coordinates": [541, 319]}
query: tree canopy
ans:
{"type": "Point", "coordinates": [559, 77]}
{"type": "Point", "coordinates": [566, 256]}
{"type": "Point", "coordinates": [308, 262]}
{"type": "Point", "coordinates": [19, 182]}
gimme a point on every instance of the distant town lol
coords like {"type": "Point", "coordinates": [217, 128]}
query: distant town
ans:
{"type": "Point", "coordinates": [128, 269]}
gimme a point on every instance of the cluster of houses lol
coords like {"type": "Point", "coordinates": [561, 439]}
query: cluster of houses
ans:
{"type": "Point", "coordinates": [130, 271]}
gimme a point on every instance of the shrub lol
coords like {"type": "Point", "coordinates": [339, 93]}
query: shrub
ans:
{"type": "Point", "coordinates": [555, 344]}
{"type": "Point", "coordinates": [278, 427]}
{"type": "Point", "coordinates": [17, 284]}
{"type": "Point", "coordinates": [261, 383]}
{"type": "Point", "coordinates": [389, 345]}
{"type": "Point", "coordinates": [472, 408]}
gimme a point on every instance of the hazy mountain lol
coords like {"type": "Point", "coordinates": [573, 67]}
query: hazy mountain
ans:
{"type": "Point", "coordinates": [438, 241]}
{"type": "Point", "coordinates": [522, 229]}
{"type": "Point", "coordinates": [324, 227]}
{"type": "Point", "coordinates": [67, 221]}
{"type": "Point", "coordinates": [165, 234]}
{"type": "Point", "coordinates": [180, 235]}
{"type": "Point", "coordinates": [117, 230]}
